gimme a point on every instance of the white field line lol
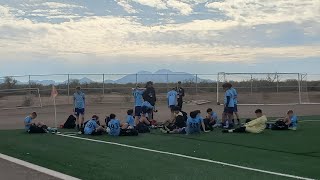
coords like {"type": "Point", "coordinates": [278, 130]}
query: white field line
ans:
{"type": "Point", "coordinates": [301, 121]}
{"type": "Point", "coordinates": [190, 157]}
{"type": "Point", "coordinates": [38, 168]}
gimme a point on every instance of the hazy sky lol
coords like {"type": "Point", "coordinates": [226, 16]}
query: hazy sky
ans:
{"type": "Point", "coordinates": [126, 36]}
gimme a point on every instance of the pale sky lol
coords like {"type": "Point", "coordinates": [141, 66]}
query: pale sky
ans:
{"type": "Point", "coordinates": [127, 36]}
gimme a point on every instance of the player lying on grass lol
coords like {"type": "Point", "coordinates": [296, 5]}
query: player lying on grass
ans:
{"type": "Point", "coordinates": [92, 127]}
{"type": "Point", "coordinates": [178, 120]}
{"type": "Point", "coordinates": [251, 126]}
{"type": "Point", "coordinates": [194, 123]}
{"type": "Point", "coordinates": [172, 100]}
{"type": "Point", "coordinates": [114, 128]}
{"type": "Point", "coordinates": [211, 121]}
{"type": "Point", "coordinates": [227, 115]}
{"type": "Point", "coordinates": [138, 100]}
{"type": "Point", "coordinates": [79, 107]}
{"type": "Point", "coordinates": [33, 127]}
{"type": "Point", "coordinates": [289, 122]}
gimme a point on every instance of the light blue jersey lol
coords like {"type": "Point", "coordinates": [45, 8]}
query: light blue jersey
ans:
{"type": "Point", "coordinates": [230, 94]}
{"type": "Point", "coordinates": [27, 120]}
{"type": "Point", "coordinates": [137, 94]}
{"type": "Point", "coordinates": [193, 125]}
{"type": "Point", "coordinates": [172, 98]}
{"type": "Point", "coordinates": [214, 115]}
{"type": "Point", "coordinates": [130, 120]}
{"type": "Point", "coordinates": [114, 126]}
{"type": "Point", "coordinates": [79, 100]}
{"type": "Point", "coordinates": [147, 104]}
{"type": "Point", "coordinates": [90, 127]}
{"type": "Point", "coordinates": [294, 121]}
{"type": "Point", "coordinates": [235, 95]}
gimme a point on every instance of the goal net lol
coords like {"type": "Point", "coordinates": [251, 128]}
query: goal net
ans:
{"type": "Point", "coordinates": [263, 88]}
{"type": "Point", "coordinates": [20, 98]}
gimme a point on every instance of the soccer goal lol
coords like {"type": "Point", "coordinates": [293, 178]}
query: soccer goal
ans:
{"type": "Point", "coordinates": [262, 88]}
{"type": "Point", "coordinates": [20, 98]}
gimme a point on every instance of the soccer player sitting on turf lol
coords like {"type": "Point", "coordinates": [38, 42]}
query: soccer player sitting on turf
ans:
{"type": "Point", "coordinates": [115, 129]}
{"type": "Point", "coordinates": [172, 100]}
{"type": "Point", "coordinates": [32, 127]}
{"type": "Point", "coordinates": [227, 115]}
{"type": "Point", "coordinates": [288, 122]}
{"type": "Point", "coordinates": [178, 121]}
{"type": "Point", "coordinates": [211, 121]}
{"type": "Point", "coordinates": [130, 123]}
{"type": "Point", "coordinates": [255, 126]}
{"type": "Point", "coordinates": [138, 100]}
{"type": "Point", "coordinates": [195, 123]}
{"type": "Point", "coordinates": [92, 127]}
{"type": "Point", "coordinates": [79, 106]}
{"type": "Point", "coordinates": [235, 109]}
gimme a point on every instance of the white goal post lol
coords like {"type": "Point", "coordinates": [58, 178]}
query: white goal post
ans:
{"type": "Point", "coordinates": [20, 98]}
{"type": "Point", "coordinates": [264, 88]}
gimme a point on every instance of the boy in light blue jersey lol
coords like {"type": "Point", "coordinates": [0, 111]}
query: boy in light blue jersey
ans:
{"type": "Point", "coordinates": [194, 122]}
{"type": "Point", "coordinates": [235, 109]}
{"type": "Point", "coordinates": [228, 106]}
{"type": "Point", "coordinates": [113, 126]}
{"type": "Point", "coordinates": [92, 127]}
{"type": "Point", "coordinates": [172, 100]}
{"type": "Point", "coordinates": [79, 106]}
{"type": "Point", "coordinates": [211, 121]}
{"type": "Point", "coordinates": [138, 100]}
{"type": "Point", "coordinates": [32, 127]}
{"type": "Point", "coordinates": [293, 120]}
{"type": "Point", "coordinates": [130, 123]}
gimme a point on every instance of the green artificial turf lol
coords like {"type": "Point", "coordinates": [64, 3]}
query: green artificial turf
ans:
{"type": "Point", "coordinates": [290, 152]}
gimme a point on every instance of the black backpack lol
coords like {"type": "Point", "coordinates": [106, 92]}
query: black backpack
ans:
{"type": "Point", "coordinates": [70, 123]}
{"type": "Point", "coordinates": [142, 128]}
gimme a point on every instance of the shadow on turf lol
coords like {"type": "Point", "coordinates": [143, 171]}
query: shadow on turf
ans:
{"type": "Point", "coordinates": [307, 154]}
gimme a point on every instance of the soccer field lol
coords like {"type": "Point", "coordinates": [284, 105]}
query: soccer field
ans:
{"type": "Point", "coordinates": [270, 155]}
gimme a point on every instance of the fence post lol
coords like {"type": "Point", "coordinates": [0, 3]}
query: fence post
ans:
{"type": "Point", "coordinates": [251, 84]}
{"type": "Point", "coordinates": [218, 79]}
{"type": "Point", "coordinates": [277, 76]}
{"type": "Point", "coordinates": [136, 79]}
{"type": "Point", "coordinates": [68, 86]}
{"type": "Point", "coordinates": [103, 84]}
{"type": "Point", "coordinates": [196, 84]}
{"type": "Point", "coordinates": [299, 85]}
{"type": "Point", "coordinates": [167, 82]}
{"type": "Point", "coordinates": [29, 81]}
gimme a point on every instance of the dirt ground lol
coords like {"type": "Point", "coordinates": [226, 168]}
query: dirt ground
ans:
{"type": "Point", "coordinates": [14, 118]}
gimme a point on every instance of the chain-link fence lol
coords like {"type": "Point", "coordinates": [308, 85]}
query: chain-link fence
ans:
{"type": "Point", "coordinates": [253, 88]}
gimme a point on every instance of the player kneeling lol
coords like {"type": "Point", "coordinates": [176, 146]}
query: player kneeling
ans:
{"type": "Point", "coordinates": [255, 126]}
{"type": "Point", "coordinates": [92, 127]}
{"type": "Point", "coordinates": [114, 127]}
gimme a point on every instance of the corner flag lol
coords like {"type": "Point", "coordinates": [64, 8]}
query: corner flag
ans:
{"type": "Point", "coordinates": [54, 92]}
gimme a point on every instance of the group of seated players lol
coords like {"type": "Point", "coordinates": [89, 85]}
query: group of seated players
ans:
{"type": "Point", "coordinates": [181, 123]}
{"type": "Point", "coordinates": [140, 120]}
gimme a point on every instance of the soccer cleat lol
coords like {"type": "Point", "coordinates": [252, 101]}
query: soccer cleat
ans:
{"type": "Point", "coordinates": [163, 131]}
{"type": "Point", "coordinates": [225, 131]}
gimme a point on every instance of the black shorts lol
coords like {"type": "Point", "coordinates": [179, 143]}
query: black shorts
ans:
{"type": "Point", "coordinates": [78, 111]}
{"type": "Point", "coordinates": [172, 107]}
{"type": "Point", "coordinates": [36, 130]}
{"type": "Point", "coordinates": [228, 110]}
{"type": "Point", "coordinates": [235, 109]}
{"type": "Point", "coordinates": [96, 133]}
{"type": "Point", "coordinates": [138, 111]}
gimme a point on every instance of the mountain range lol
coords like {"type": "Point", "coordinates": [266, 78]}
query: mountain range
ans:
{"type": "Point", "coordinates": [160, 76]}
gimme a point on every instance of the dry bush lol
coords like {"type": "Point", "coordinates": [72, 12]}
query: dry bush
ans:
{"type": "Point", "coordinates": [27, 101]}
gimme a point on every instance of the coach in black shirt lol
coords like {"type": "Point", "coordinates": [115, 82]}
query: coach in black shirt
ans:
{"type": "Point", "coordinates": [180, 92]}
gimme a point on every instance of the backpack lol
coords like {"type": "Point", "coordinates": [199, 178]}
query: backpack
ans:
{"type": "Point", "coordinates": [142, 128]}
{"type": "Point", "coordinates": [70, 123]}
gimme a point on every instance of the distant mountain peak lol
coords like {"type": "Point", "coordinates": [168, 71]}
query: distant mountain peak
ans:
{"type": "Point", "coordinates": [163, 71]}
